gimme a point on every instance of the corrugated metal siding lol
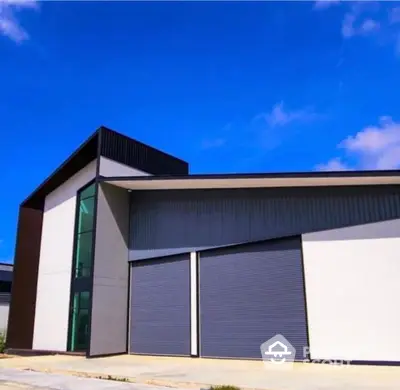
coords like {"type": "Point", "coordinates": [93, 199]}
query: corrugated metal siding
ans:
{"type": "Point", "coordinates": [6, 276]}
{"type": "Point", "coordinates": [160, 307]}
{"type": "Point", "coordinates": [138, 155]}
{"type": "Point", "coordinates": [24, 286]}
{"type": "Point", "coordinates": [168, 222]}
{"type": "Point", "coordinates": [248, 294]}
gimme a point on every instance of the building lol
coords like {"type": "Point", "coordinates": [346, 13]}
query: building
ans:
{"type": "Point", "coordinates": [6, 275]}
{"type": "Point", "coordinates": [122, 250]}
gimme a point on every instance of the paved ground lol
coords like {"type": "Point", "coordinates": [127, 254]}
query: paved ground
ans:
{"type": "Point", "coordinates": [198, 373]}
{"type": "Point", "coordinates": [12, 379]}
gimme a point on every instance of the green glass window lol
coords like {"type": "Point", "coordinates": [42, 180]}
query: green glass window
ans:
{"type": "Point", "coordinates": [80, 322]}
{"type": "Point", "coordinates": [83, 255]}
{"type": "Point", "coordinates": [88, 192]}
{"type": "Point", "coordinates": [86, 213]}
{"type": "Point", "coordinates": [84, 240]}
{"type": "Point", "coordinates": [79, 306]}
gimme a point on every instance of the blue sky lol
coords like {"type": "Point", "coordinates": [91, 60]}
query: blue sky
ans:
{"type": "Point", "coordinates": [230, 87]}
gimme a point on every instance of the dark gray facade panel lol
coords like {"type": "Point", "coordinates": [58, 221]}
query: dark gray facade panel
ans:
{"type": "Point", "coordinates": [125, 150]}
{"type": "Point", "coordinates": [248, 294]}
{"type": "Point", "coordinates": [160, 306]}
{"type": "Point", "coordinates": [168, 222]}
{"type": "Point", "coordinates": [110, 273]}
{"type": "Point", "coordinates": [6, 276]}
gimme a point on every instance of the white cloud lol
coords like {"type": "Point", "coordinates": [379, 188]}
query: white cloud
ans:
{"type": "Point", "coordinates": [323, 4]}
{"type": "Point", "coordinates": [348, 29]}
{"type": "Point", "coordinates": [269, 129]}
{"type": "Point", "coordinates": [335, 164]}
{"type": "Point", "coordinates": [9, 25]}
{"type": "Point", "coordinates": [355, 21]}
{"type": "Point", "coordinates": [374, 147]}
{"type": "Point", "coordinates": [369, 25]}
{"type": "Point", "coordinates": [213, 143]}
{"type": "Point", "coordinates": [280, 116]}
{"type": "Point", "coordinates": [394, 15]}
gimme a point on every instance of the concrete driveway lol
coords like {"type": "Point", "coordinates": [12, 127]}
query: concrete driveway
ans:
{"type": "Point", "coordinates": [197, 373]}
{"type": "Point", "coordinates": [11, 378]}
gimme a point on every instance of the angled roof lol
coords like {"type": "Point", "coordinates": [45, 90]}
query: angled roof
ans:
{"type": "Point", "coordinates": [115, 146]}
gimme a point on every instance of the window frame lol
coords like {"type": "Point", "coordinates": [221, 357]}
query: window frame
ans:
{"type": "Point", "coordinates": [80, 283]}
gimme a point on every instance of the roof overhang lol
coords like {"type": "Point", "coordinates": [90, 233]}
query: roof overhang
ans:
{"type": "Point", "coordinates": [313, 179]}
{"type": "Point", "coordinates": [112, 145]}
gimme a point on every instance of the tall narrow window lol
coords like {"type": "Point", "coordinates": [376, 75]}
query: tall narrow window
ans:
{"type": "Point", "coordinates": [80, 294]}
{"type": "Point", "coordinates": [85, 232]}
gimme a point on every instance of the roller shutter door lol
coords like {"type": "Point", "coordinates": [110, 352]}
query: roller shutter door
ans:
{"type": "Point", "coordinates": [160, 306]}
{"type": "Point", "coordinates": [250, 293]}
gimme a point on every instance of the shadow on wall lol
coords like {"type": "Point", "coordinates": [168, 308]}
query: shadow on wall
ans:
{"type": "Point", "coordinates": [379, 230]}
{"type": "Point", "coordinates": [116, 201]}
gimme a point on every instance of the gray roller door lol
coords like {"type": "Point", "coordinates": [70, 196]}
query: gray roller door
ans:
{"type": "Point", "coordinates": [249, 294]}
{"type": "Point", "coordinates": [160, 306]}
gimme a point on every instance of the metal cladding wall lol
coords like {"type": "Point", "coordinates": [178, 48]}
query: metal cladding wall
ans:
{"type": "Point", "coordinates": [133, 153]}
{"type": "Point", "coordinates": [23, 301]}
{"type": "Point", "coordinates": [170, 222]}
{"type": "Point", "coordinates": [160, 307]}
{"type": "Point", "coordinates": [6, 276]}
{"type": "Point", "coordinates": [250, 293]}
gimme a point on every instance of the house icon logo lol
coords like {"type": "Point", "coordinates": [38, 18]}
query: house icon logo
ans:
{"type": "Point", "coordinates": [277, 350]}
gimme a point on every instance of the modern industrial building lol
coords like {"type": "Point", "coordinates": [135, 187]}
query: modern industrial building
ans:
{"type": "Point", "coordinates": [121, 250]}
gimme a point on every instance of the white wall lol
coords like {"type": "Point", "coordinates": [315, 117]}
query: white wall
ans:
{"type": "Point", "coordinates": [110, 168]}
{"type": "Point", "coordinates": [55, 264]}
{"type": "Point", "coordinates": [352, 278]}
{"type": "Point", "coordinates": [194, 348]}
{"type": "Point", "coordinates": [111, 272]}
{"type": "Point", "coordinates": [110, 284]}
